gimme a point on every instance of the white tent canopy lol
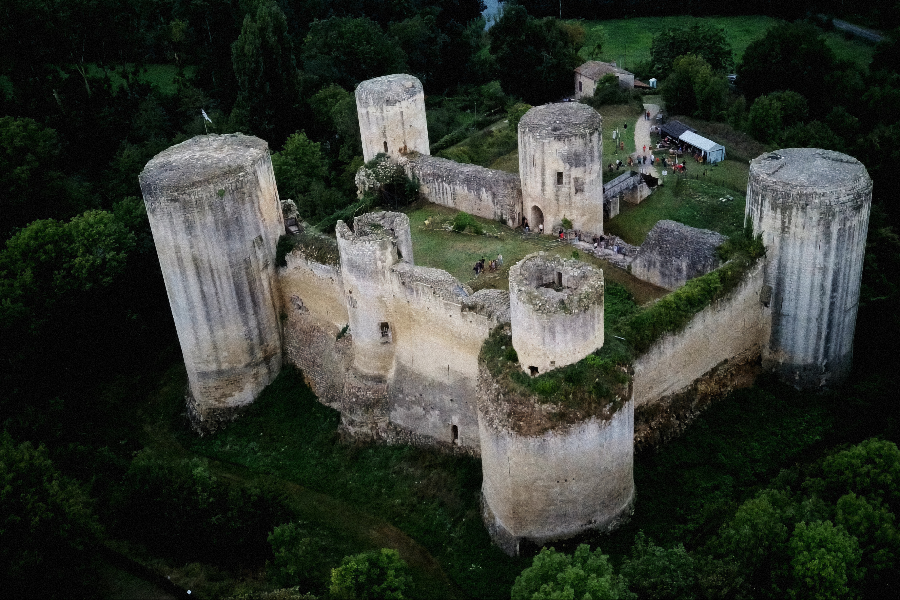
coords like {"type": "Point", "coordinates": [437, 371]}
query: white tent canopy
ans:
{"type": "Point", "coordinates": [712, 151]}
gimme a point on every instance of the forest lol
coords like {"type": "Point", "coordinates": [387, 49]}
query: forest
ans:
{"type": "Point", "coordinates": [771, 494]}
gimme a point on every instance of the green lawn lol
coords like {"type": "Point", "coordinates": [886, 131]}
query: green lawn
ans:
{"type": "Point", "coordinates": [694, 202]}
{"type": "Point", "coordinates": [628, 40]}
{"type": "Point", "coordinates": [456, 253]}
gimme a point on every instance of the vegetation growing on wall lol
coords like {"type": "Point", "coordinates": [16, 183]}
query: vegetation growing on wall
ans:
{"type": "Point", "coordinates": [314, 245]}
{"type": "Point", "coordinates": [594, 384]}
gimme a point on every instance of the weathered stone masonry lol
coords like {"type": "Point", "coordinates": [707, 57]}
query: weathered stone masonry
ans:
{"type": "Point", "coordinates": [395, 347]}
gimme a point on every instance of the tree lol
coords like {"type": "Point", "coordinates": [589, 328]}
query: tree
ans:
{"type": "Point", "coordinates": [302, 173]}
{"type": "Point", "coordinates": [31, 184]}
{"type": "Point", "coordinates": [266, 73]}
{"type": "Point", "coordinates": [334, 111]}
{"type": "Point", "coordinates": [348, 51]}
{"type": "Point", "coordinates": [584, 574]}
{"type": "Point", "coordinates": [47, 527]}
{"type": "Point", "coordinates": [298, 557]}
{"type": "Point", "coordinates": [701, 40]}
{"type": "Point", "coordinates": [535, 57]}
{"type": "Point", "coordinates": [423, 43]}
{"type": "Point", "coordinates": [655, 572]}
{"type": "Point", "coordinates": [764, 119]}
{"type": "Point", "coordinates": [870, 468]}
{"type": "Point", "coordinates": [824, 562]}
{"type": "Point", "coordinates": [872, 524]}
{"type": "Point", "coordinates": [756, 537]}
{"type": "Point", "coordinates": [370, 576]}
{"type": "Point", "coordinates": [791, 56]}
{"type": "Point", "coordinates": [688, 73]}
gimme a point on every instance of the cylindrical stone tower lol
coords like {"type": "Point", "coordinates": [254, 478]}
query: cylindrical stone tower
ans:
{"type": "Point", "coordinates": [547, 479]}
{"type": "Point", "coordinates": [391, 112]}
{"type": "Point", "coordinates": [812, 208]}
{"type": "Point", "coordinates": [216, 218]}
{"type": "Point", "coordinates": [561, 166]}
{"type": "Point", "coordinates": [556, 311]}
{"type": "Point", "coordinates": [367, 255]}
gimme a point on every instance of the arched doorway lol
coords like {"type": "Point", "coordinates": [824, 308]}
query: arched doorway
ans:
{"type": "Point", "coordinates": [536, 219]}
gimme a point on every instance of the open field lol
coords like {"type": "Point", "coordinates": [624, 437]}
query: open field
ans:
{"type": "Point", "coordinates": [456, 253]}
{"type": "Point", "coordinates": [628, 40]}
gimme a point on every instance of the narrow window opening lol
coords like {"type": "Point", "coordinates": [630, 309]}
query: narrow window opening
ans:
{"type": "Point", "coordinates": [385, 332]}
{"type": "Point", "coordinates": [559, 178]}
{"type": "Point", "coordinates": [534, 371]}
{"type": "Point", "coordinates": [558, 279]}
{"type": "Point", "coordinates": [454, 432]}
{"type": "Point", "coordinates": [385, 146]}
{"type": "Point", "coordinates": [579, 86]}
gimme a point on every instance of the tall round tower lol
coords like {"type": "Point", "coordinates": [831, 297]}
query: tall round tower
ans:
{"type": "Point", "coordinates": [216, 218]}
{"type": "Point", "coordinates": [561, 166]}
{"type": "Point", "coordinates": [812, 208]}
{"type": "Point", "coordinates": [391, 113]}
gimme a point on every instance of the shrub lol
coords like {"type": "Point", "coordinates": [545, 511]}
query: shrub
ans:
{"type": "Point", "coordinates": [584, 574]}
{"type": "Point", "coordinates": [46, 526]}
{"type": "Point", "coordinates": [515, 114]}
{"type": "Point", "coordinates": [566, 223]}
{"type": "Point", "coordinates": [370, 576]}
{"type": "Point", "coordinates": [824, 561]}
{"type": "Point", "coordinates": [299, 559]}
{"type": "Point", "coordinates": [463, 221]}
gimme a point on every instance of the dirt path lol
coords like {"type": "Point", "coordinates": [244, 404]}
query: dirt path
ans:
{"type": "Point", "coordinates": [642, 135]}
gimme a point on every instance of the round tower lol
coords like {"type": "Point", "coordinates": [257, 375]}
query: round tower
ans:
{"type": "Point", "coordinates": [216, 219]}
{"type": "Point", "coordinates": [367, 254]}
{"type": "Point", "coordinates": [556, 311]}
{"type": "Point", "coordinates": [561, 166]}
{"type": "Point", "coordinates": [391, 113]}
{"type": "Point", "coordinates": [812, 208]}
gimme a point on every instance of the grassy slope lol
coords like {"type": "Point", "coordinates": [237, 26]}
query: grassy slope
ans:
{"type": "Point", "coordinates": [628, 40]}
{"type": "Point", "coordinates": [431, 497]}
{"type": "Point", "coordinates": [614, 117]}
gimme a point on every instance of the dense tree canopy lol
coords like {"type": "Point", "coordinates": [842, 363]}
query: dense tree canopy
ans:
{"type": "Point", "coordinates": [535, 57]}
{"type": "Point", "coordinates": [704, 41]}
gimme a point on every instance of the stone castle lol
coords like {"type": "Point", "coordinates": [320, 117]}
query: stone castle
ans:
{"type": "Point", "coordinates": [395, 347]}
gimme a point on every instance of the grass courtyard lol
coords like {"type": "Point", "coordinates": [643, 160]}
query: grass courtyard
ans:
{"type": "Point", "coordinates": [702, 203]}
{"type": "Point", "coordinates": [434, 245]}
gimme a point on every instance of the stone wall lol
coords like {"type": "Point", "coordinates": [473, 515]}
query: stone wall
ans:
{"type": "Point", "coordinates": [733, 329]}
{"type": "Point", "coordinates": [673, 253]}
{"type": "Point", "coordinates": [482, 192]}
{"type": "Point", "coordinates": [416, 385]}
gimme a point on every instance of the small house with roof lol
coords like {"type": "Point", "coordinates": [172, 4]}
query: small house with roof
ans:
{"type": "Point", "coordinates": [588, 74]}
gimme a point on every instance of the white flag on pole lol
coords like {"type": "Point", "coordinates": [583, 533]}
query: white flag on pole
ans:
{"type": "Point", "coordinates": [205, 116]}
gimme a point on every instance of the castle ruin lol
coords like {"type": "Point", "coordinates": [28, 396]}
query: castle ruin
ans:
{"type": "Point", "coordinates": [397, 347]}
